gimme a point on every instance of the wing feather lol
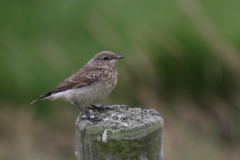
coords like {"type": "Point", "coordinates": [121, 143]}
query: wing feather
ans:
{"type": "Point", "coordinates": [82, 78]}
{"type": "Point", "coordinates": [79, 79]}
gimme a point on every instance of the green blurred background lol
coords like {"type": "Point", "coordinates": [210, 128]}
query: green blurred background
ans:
{"type": "Point", "coordinates": [181, 58]}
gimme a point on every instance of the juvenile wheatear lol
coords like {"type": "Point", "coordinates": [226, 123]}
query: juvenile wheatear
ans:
{"type": "Point", "coordinates": [90, 85]}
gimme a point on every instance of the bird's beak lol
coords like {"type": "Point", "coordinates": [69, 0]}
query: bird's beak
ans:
{"type": "Point", "coordinates": [119, 57]}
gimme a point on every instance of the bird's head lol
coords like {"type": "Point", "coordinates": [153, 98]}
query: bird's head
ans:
{"type": "Point", "coordinates": [105, 60]}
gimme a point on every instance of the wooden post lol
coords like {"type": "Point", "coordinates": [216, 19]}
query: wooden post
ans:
{"type": "Point", "coordinates": [124, 134]}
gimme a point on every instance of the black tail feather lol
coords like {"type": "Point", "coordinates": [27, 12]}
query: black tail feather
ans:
{"type": "Point", "coordinates": [44, 96]}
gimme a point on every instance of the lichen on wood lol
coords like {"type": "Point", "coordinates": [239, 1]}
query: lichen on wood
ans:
{"type": "Point", "coordinates": [123, 134]}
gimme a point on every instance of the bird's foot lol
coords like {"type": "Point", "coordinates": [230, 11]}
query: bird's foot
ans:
{"type": "Point", "coordinates": [98, 108]}
{"type": "Point", "coordinates": [95, 119]}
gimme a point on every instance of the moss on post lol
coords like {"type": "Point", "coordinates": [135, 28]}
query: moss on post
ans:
{"type": "Point", "coordinates": [124, 134]}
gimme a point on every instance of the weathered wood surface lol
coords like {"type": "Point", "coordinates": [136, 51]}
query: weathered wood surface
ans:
{"type": "Point", "coordinates": [124, 134]}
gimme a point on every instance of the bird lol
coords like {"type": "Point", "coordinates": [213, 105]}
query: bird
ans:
{"type": "Point", "coordinates": [90, 85]}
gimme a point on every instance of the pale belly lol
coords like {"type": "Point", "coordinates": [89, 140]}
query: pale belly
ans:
{"type": "Point", "coordinates": [86, 95]}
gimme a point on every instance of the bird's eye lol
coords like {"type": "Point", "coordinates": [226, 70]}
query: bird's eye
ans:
{"type": "Point", "coordinates": [105, 58]}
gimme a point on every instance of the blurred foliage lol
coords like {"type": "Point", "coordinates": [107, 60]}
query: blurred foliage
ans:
{"type": "Point", "coordinates": [182, 59]}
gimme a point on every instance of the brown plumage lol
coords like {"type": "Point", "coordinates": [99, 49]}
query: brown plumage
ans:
{"type": "Point", "coordinates": [91, 84]}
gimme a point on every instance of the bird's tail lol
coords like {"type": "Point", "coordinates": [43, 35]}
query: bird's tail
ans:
{"type": "Point", "coordinates": [44, 96]}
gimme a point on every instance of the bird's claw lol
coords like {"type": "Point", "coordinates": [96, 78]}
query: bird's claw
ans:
{"type": "Point", "coordinates": [98, 108]}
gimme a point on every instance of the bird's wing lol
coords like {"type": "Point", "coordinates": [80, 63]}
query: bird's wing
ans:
{"type": "Point", "coordinates": [81, 78]}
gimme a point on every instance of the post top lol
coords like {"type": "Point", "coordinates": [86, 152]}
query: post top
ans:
{"type": "Point", "coordinates": [121, 122]}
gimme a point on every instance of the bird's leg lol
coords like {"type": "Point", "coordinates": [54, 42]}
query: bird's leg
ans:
{"type": "Point", "coordinates": [100, 107]}
{"type": "Point", "coordinates": [87, 116]}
